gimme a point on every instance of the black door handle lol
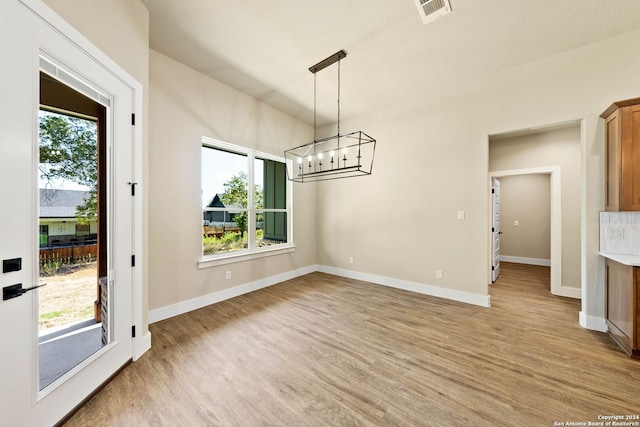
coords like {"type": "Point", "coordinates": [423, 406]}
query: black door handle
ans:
{"type": "Point", "coordinates": [15, 291]}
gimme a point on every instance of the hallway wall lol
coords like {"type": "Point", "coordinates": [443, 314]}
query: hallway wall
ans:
{"type": "Point", "coordinates": [525, 199]}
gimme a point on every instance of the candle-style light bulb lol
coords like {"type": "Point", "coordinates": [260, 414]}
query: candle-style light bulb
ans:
{"type": "Point", "coordinates": [344, 154]}
{"type": "Point", "coordinates": [331, 154]}
{"type": "Point", "coordinates": [310, 159]}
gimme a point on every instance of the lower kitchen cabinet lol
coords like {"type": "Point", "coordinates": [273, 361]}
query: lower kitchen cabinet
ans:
{"type": "Point", "coordinates": [623, 305]}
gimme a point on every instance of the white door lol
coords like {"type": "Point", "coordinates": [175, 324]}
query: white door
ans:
{"type": "Point", "coordinates": [495, 228]}
{"type": "Point", "coordinates": [29, 44]}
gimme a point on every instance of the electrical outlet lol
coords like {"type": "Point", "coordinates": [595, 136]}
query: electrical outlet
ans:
{"type": "Point", "coordinates": [614, 233]}
{"type": "Point", "coordinates": [516, 223]}
{"type": "Point", "coordinates": [350, 260]}
{"type": "Point", "coordinates": [460, 215]}
{"type": "Point", "coordinates": [227, 275]}
{"type": "Point", "coordinates": [438, 274]}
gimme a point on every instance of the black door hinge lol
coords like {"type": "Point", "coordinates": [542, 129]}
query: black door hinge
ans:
{"type": "Point", "coordinates": [133, 260]}
{"type": "Point", "coordinates": [493, 230]}
{"type": "Point", "coordinates": [133, 187]}
{"type": "Point", "coordinates": [493, 268]}
{"type": "Point", "coordinates": [133, 119]}
{"type": "Point", "coordinates": [133, 331]}
{"type": "Point", "coordinates": [493, 190]}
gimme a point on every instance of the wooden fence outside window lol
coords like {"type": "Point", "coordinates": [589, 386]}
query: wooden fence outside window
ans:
{"type": "Point", "coordinates": [68, 255]}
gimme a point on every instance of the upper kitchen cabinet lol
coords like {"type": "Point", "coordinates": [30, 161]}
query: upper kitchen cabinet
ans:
{"type": "Point", "coordinates": [622, 135]}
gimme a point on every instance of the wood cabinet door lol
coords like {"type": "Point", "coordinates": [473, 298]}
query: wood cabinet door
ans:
{"type": "Point", "coordinates": [613, 161]}
{"type": "Point", "coordinates": [636, 311]}
{"type": "Point", "coordinates": [630, 160]}
{"type": "Point", "coordinates": [620, 280]}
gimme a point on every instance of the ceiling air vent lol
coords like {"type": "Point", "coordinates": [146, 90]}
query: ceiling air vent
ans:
{"type": "Point", "coordinates": [431, 10]}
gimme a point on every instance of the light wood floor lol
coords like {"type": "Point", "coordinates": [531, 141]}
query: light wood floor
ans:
{"type": "Point", "coordinates": [324, 351]}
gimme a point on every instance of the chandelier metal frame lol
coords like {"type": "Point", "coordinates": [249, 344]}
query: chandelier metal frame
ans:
{"type": "Point", "coordinates": [333, 157]}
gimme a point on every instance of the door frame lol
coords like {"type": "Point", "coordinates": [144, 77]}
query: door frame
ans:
{"type": "Point", "coordinates": [556, 223]}
{"type": "Point", "coordinates": [142, 340]}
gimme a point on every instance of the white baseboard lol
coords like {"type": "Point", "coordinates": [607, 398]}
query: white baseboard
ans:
{"type": "Point", "coordinates": [215, 297]}
{"type": "Point", "coordinates": [594, 323]}
{"type": "Point", "coordinates": [205, 300]}
{"type": "Point", "coordinates": [523, 260]}
{"type": "Point", "coordinates": [466, 297]}
{"type": "Point", "coordinates": [566, 291]}
{"type": "Point", "coordinates": [141, 345]}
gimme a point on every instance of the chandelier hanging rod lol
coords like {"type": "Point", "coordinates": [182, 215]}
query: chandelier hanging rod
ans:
{"type": "Point", "coordinates": [328, 61]}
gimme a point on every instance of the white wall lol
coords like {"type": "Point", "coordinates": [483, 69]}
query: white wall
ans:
{"type": "Point", "coordinates": [432, 161]}
{"type": "Point", "coordinates": [184, 106]}
{"type": "Point", "coordinates": [526, 199]}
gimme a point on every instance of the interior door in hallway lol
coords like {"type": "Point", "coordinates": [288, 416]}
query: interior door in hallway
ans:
{"type": "Point", "coordinates": [495, 228]}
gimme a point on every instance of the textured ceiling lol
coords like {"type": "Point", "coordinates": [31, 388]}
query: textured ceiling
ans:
{"type": "Point", "coordinates": [264, 48]}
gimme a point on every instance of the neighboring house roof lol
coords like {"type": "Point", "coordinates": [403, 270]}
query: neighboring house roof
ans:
{"type": "Point", "coordinates": [216, 202]}
{"type": "Point", "coordinates": [60, 203]}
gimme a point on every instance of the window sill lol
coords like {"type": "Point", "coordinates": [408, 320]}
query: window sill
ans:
{"type": "Point", "coordinates": [239, 257]}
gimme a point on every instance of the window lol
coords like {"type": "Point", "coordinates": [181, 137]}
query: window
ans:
{"type": "Point", "coordinates": [237, 222]}
{"type": "Point", "coordinates": [82, 230]}
{"type": "Point", "coordinates": [44, 235]}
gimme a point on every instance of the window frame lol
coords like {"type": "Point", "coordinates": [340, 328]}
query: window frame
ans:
{"type": "Point", "coordinates": [252, 251]}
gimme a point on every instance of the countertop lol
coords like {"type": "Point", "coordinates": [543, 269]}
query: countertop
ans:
{"type": "Point", "coordinates": [631, 260]}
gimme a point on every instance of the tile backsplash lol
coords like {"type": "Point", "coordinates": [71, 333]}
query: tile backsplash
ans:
{"type": "Point", "coordinates": [620, 232]}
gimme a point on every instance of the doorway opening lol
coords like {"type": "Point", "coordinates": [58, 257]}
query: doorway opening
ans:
{"type": "Point", "coordinates": [551, 157]}
{"type": "Point", "coordinates": [72, 237]}
{"type": "Point", "coordinates": [555, 259]}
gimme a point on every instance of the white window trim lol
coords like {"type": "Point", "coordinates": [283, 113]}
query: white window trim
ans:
{"type": "Point", "coordinates": [231, 257]}
{"type": "Point", "coordinates": [214, 260]}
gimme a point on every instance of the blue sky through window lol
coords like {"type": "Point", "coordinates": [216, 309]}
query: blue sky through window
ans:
{"type": "Point", "coordinates": [220, 166]}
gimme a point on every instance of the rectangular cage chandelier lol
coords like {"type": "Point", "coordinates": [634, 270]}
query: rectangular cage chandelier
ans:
{"type": "Point", "coordinates": [334, 157]}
